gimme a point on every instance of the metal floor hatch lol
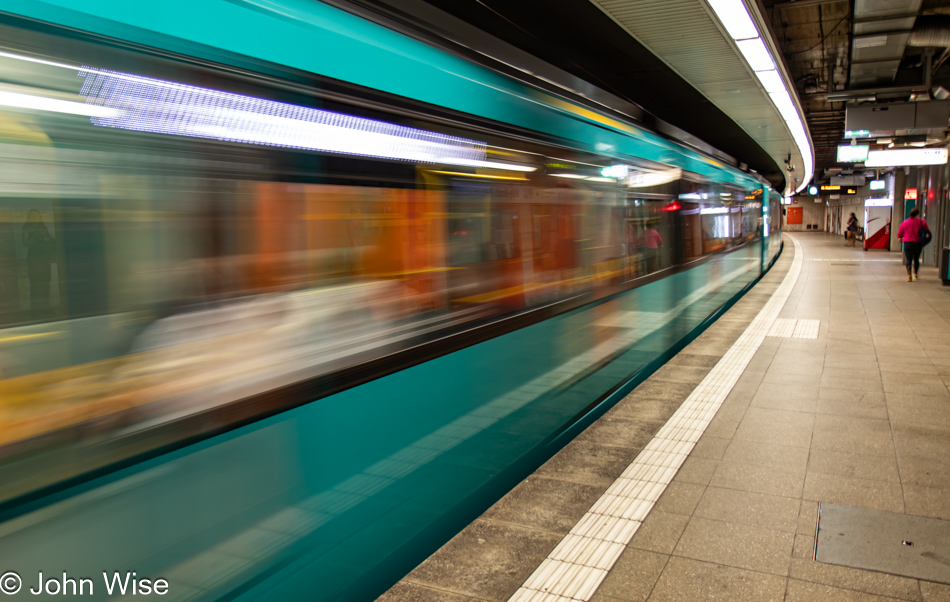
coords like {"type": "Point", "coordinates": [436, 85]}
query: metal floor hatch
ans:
{"type": "Point", "coordinates": [888, 542]}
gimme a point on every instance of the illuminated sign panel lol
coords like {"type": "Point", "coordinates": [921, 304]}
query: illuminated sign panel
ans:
{"type": "Point", "coordinates": [830, 187]}
{"type": "Point", "coordinates": [907, 157]}
{"type": "Point", "coordinates": [910, 194]}
{"type": "Point", "coordinates": [646, 179]}
{"type": "Point", "coordinates": [877, 184]}
{"type": "Point", "coordinates": [857, 134]}
{"type": "Point", "coordinates": [853, 154]}
{"type": "Point", "coordinates": [615, 171]}
{"type": "Point", "coordinates": [852, 191]}
{"type": "Point", "coordinates": [878, 203]}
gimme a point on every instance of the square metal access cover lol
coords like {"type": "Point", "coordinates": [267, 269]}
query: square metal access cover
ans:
{"type": "Point", "coordinates": [900, 544]}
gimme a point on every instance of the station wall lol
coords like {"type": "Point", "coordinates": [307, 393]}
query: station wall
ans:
{"type": "Point", "coordinates": [812, 215]}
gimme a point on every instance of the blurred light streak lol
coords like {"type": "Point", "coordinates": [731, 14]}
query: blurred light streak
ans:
{"type": "Point", "coordinates": [478, 175]}
{"type": "Point", "coordinates": [55, 105]}
{"type": "Point", "coordinates": [496, 165]}
{"type": "Point", "coordinates": [152, 105]}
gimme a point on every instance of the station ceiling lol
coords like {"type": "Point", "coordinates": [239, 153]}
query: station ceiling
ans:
{"type": "Point", "coordinates": [856, 51]}
{"type": "Point", "coordinates": [861, 51]}
{"type": "Point", "coordinates": [581, 39]}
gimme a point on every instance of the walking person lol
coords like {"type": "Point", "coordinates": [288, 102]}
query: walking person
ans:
{"type": "Point", "coordinates": [909, 233]}
{"type": "Point", "coordinates": [852, 234]}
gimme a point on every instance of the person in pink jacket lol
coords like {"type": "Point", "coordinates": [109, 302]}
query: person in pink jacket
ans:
{"type": "Point", "coordinates": [909, 234]}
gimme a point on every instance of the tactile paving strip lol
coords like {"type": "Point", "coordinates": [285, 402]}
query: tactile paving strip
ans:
{"type": "Point", "coordinates": [577, 566]}
{"type": "Point", "coordinates": [795, 329]}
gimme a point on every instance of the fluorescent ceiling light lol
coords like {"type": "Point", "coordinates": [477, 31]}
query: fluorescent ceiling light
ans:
{"type": "Point", "coordinates": [735, 18]}
{"type": "Point", "coordinates": [799, 135]}
{"type": "Point", "coordinates": [573, 176]}
{"type": "Point", "coordinates": [771, 81]}
{"type": "Point", "coordinates": [906, 157]}
{"type": "Point", "coordinates": [713, 210]}
{"type": "Point", "coordinates": [798, 130]}
{"type": "Point", "coordinates": [783, 102]}
{"type": "Point", "coordinates": [756, 54]}
{"type": "Point", "coordinates": [55, 105]}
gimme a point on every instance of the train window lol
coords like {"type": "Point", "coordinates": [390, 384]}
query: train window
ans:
{"type": "Point", "coordinates": [650, 234]}
{"type": "Point", "coordinates": [652, 210]}
{"type": "Point", "coordinates": [603, 248]}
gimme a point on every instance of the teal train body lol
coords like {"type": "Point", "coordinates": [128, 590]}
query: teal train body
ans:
{"type": "Point", "coordinates": [337, 498]}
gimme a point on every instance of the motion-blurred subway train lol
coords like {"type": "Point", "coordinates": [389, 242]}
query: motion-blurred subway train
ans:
{"type": "Point", "coordinates": [287, 296]}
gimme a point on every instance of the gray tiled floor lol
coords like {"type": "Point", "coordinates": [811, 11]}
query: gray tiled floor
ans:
{"type": "Point", "coordinates": [860, 416]}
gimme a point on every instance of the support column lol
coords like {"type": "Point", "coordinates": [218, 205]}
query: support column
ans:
{"type": "Point", "coordinates": [897, 211]}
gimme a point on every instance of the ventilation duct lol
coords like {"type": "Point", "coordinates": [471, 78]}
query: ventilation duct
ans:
{"type": "Point", "coordinates": [931, 31]}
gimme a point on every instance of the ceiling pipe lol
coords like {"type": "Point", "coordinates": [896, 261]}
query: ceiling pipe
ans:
{"type": "Point", "coordinates": [931, 31]}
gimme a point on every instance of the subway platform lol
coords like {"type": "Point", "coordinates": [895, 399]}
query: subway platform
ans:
{"type": "Point", "coordinates": [822, 393]}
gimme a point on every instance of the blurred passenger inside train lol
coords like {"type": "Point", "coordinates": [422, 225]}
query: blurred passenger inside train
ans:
{"type": "Point", "coordinates": [648, 242]}
{"type": "Point", "coordinates": [9, 282]}
{"type": "Point", "coordinates": [40, 252]}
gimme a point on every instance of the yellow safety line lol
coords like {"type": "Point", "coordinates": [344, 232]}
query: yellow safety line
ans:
{"type": "Point", "coordinates": [25, 337]}
{"type": "Point", "coordinates": [478, 175]}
